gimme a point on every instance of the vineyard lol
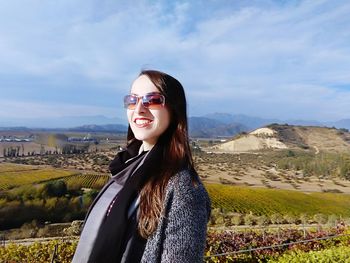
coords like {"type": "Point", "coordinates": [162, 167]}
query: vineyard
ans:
{"type": "Point", "coordinates": [262, 201]}
{"type": "Point", "coordinates": [329, 245]}
{"type": "Point", "coordinates": [12, 175]}
{"type": "Point", "coordinates": [227, 198]}
{"type": "Point", "coordinates": [94, 181]}
{"type": "Point", "coordinates": [232, 205]}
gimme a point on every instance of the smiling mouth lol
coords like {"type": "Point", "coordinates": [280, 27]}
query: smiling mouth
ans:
{"type": "Point", "coordinates": [142, 122]}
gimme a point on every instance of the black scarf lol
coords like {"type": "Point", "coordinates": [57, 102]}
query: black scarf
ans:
{"type": "Point", "coordinates": [110, 238]}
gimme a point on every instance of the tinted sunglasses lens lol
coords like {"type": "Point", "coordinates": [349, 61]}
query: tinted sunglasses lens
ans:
{"type": "Point", "coordinates": [153, 101]}
{"type": "Point", "coordinates": [130, 102]}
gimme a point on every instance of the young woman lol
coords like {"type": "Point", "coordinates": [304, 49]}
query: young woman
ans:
{"type": "Point", "coordinates": [155, 208]}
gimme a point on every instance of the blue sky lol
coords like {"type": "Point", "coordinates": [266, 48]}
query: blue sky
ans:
{"type": "Point", "coordinates": [272, 59]}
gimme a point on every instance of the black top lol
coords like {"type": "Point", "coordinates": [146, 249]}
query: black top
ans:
{"type": "Point", "coordinates": [135, 244]}
{"type": "Point", "coordinates": [108, 229]}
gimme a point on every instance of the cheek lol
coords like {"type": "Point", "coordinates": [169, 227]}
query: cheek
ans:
{"type": "Point", "coordinates": [164, 119]}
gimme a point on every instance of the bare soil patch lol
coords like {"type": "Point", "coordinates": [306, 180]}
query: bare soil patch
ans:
{"type": "Point", "coordinates": [246, 169]}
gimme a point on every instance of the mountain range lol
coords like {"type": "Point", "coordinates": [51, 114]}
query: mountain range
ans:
{"type": "Point", "coordinates": [61, 122]}
{"type": "Point", "coordinates": [228, 125]}
{"type": "Point", "coordinates": [207, 126]}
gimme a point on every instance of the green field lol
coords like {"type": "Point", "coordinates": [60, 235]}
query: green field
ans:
{"type": "Point", "coordinates": [262, 201]}
{"type": "Point", "coordinates": [13, 175]}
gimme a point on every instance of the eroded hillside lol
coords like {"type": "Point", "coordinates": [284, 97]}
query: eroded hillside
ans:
{"type": "Point", "coordinates": [310, 138]}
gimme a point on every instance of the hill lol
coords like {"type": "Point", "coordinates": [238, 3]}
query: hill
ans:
{"type": "Point", "coordinates": [276, 136]}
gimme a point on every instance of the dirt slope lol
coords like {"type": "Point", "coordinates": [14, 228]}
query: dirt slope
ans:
{"type": "Point", "coordinates": [288, 137]}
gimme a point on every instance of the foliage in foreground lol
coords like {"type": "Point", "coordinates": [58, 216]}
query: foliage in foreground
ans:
{"type": "Point", "coordinates": [38, 252]}
{"type": "Point", "coordinates": [228, 242]}
{"type": "Point", "coordinates": [331, 250]}
{"type": "Point", "coordinates": [335, 254]}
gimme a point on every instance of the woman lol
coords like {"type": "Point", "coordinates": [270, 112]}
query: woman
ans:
{"type": "Point", "coordinates": [154, 209]}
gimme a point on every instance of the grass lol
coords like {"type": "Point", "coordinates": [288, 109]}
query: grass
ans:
{"type": "Point", "coordinates": [263, 201]}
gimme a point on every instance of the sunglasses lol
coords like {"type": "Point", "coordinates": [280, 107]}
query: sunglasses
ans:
{"type": "Point", "coordinates": [153, 100]}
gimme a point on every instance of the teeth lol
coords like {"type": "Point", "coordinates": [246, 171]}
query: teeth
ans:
{"type": "Point", "coordinates": [138, 121]}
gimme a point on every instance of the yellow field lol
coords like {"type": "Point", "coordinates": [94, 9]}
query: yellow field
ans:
{"type": "Point", "coordinates": [12, 175]}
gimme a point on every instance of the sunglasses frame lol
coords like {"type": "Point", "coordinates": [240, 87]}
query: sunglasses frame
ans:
{"type": "Point", "coordinates": [144, 101]}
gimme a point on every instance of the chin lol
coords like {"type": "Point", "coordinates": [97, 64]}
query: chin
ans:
{"type": "Point", "coordinates": [142, 137]}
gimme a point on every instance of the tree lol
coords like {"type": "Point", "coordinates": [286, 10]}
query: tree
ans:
{"type": "Point", "coordinates": [54, 189]}
{"type": "Point", "coordinates": [249, 219]}
{"type": "Point", "coordinates": [88, 197]}
{"type": "Point", "coordinates": [236, 220]}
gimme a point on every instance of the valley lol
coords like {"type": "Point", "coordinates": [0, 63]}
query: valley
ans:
{"type": "Point", "coordinates": [295, 178]}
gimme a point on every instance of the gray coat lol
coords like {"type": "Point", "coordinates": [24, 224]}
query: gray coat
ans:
{"type": "Point", "coordinates": [181, 233]}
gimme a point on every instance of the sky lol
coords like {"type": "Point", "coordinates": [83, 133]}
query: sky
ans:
{"type": "Point", "coordinates": [269, 59]}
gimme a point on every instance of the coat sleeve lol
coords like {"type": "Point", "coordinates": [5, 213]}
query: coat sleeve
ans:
{"type": "Point", "coordinates": [186, 222]}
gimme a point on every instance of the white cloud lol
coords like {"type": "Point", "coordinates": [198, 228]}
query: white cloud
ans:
{"type": "Point", "coordinates": [289, 54]}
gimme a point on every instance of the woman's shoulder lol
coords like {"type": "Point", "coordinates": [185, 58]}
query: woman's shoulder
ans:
{"type": "Point", "coordinates": [187, 183]}
{"type": "Point", "coordinates": [183, 178]}
{"type": "Point", "coordinates": [186, 192]}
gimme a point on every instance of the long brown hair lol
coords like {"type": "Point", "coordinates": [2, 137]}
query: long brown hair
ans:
{"type": "Point", "coordinates": [176, 153]}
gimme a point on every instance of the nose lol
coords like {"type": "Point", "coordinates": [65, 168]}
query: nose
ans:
{"type": "Point", "coordinates": [139, 107]}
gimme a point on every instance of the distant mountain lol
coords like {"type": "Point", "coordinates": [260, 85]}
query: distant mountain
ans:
{"type": "Point", "coordinates": [61, 122]}
{"type": "Point", "coordinates": [344, 123]}
{"type": "Point", "coordinates": [202, 127]}
{"type": "Point", "coordinates": [14, 129]}
{"type": "Point", "coordinates": [247, 121]}
{"type": "Point", "coordinates": [210, 125]}
{"type": "Point", "coordinates": [305, 123]}
{"type": "Point", "coordinates": [256, 122]}
{"type": "Point", "coordinates": [114, 128]}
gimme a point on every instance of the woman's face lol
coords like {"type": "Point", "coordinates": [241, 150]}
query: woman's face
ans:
{"type": "Point", "coordinates": [147, 124]}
